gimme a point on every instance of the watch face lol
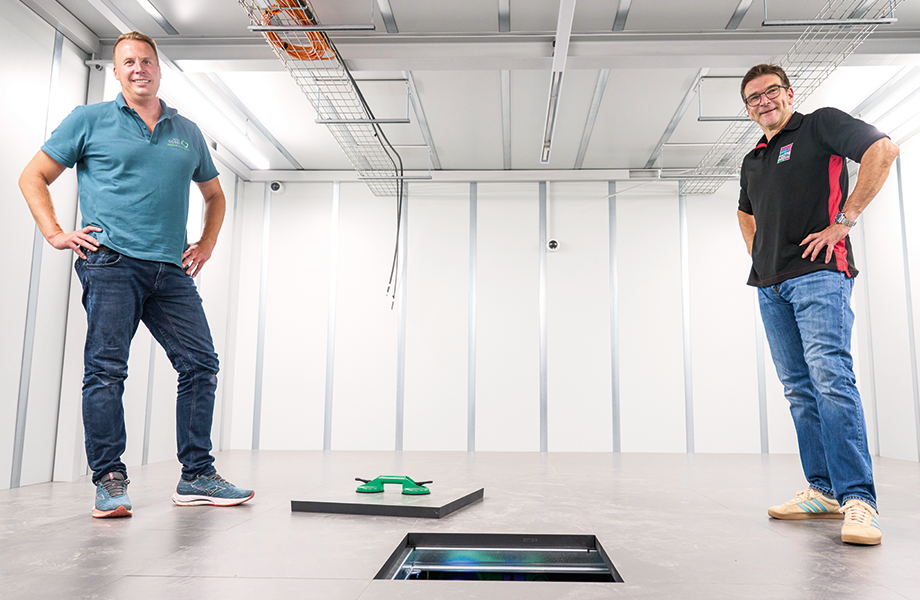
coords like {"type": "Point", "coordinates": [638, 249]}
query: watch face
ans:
{"type": "Point", "coordinates": [842, 220]}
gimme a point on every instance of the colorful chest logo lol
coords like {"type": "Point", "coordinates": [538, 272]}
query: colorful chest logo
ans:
{"type": "Point", "coordinates": [177, 143]}
{"type": "Point", "coordinates": [785, 153]}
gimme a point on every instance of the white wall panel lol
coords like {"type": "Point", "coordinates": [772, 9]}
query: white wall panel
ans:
{"type": "Point", "coordinates": [293, 392]}
{"type": "Point", "coordinates": [910, 179]}
{"type": "Point", "coordinates": [70, 453]}
{"type": "Point", "coordinates": [437, 329]}
{"type": "Point", "coordinates": [214, 285]}
{"type": "Point", "coordinates": [884, 265]}
{"type": "Point", "coordinates": [726, 403]}
{"type": "Point", "coordinates": [578, 318]}
{"type": "Point", "coordinates": [364, 396]}
{"type": "Point", "coordinates": [24, 86]}
{"type": "Point", "coordinates": [247, 318]}
{"type": "Point", "coordinates": [50, 326]}
{"type": "Point", "coordinates": [508, 325]}
{"type": "Point", "coordinates": [651, 330]}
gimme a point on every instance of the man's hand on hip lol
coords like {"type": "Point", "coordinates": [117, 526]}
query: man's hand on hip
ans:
{"type": "Point", "coordinates": [194, 257]}
{"type": "Point", "coordinates": [827, 238]}
{"type": "Point", "coordinates": [77, 241]}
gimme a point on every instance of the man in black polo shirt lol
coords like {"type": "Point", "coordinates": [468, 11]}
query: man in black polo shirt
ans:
{"type": "Point", "coordinates": [795, 214]}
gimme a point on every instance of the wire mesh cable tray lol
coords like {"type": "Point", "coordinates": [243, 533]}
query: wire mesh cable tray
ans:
{"type": "Point", "coordinates": [312, 60]}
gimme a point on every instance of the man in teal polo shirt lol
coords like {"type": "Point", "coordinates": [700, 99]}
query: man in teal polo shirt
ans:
{"type": "Point", "coordinates": [136, 159]}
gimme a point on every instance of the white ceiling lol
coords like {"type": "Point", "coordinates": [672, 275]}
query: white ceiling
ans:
{"type": "Point", "coordinates": [456, 55]}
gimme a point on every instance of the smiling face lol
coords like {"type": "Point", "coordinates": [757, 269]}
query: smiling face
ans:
{"type": "Point", "coordinates": [137, 69]}
{"type": "Point", "coordinates": [771, 115]}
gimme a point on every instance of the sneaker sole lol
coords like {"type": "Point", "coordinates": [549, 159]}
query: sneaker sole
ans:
{"type": "Point", "coordinates": [804, 516]}
{"type": "Point", "coordinates": [121, 511]}
{"type": "Point", "coordinates": [860, 540]}
{"type": "Point", "coordinates": [208, 500]}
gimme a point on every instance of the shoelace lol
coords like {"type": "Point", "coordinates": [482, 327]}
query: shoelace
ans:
{"type": "Point", "coordinates": [857, 513]}
{"type": "Point", "coordinates": [218, 478]}
{"type": "Point", "coordinates": [808, 494]}
{"type": "Point", "coordinates": [115, 487]}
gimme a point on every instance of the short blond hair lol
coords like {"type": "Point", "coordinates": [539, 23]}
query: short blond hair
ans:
{"type": "Point", "coordinates": [139, 37]}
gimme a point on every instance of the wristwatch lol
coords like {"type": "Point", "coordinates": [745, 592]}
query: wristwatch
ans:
{"type": "Point", "coordinates": [843, 220]}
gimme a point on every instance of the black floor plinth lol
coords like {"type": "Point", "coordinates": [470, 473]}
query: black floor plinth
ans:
{"type": "Point", "coordinates": [393, 504]}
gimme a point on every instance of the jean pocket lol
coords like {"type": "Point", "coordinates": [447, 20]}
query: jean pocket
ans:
{"type": "Point", "coordinates": [103, 257]}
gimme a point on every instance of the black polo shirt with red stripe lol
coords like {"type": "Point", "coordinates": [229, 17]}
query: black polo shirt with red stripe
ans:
{"type": "Point", "coordinates": [795, 185]}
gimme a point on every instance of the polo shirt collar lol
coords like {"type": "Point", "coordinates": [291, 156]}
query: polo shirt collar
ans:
{"type": "Point", "coordinates": [168, 112]}
{"type": "Point", "coordinates": [795, 121]}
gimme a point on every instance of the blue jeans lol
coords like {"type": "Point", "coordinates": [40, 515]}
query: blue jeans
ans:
{"type": "Point", "coordinates": [118, 293]}
{"type": "Point", "coordinates": [808, 322]}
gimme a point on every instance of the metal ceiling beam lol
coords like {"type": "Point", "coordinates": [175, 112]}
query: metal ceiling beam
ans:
{"type": "Point", "coordinates": [737, 49]}
{"type": "Point", "coordinates": [157, 16]}
{"type": "Point", "coordinates": [739, 14]}
{"type": "Point", "coordinates": [499, 175]}
{"type": "Point", "coordinates": [599, 88]}
{"type": "Point", "coordinates": [504, 16]}
{"type": "Point", "coordinates": [386, 13]}
{"type": "Point", "coordinates": [622, 13]}
{"type": "Point", "coordinates": [422, 120]}
{"type": "Point", "coordinates": [62, 20]}
{"type": "Point", "coordinates": [861, 11]}
{"type": "Point", "coordinates": [675, 120]}
{"type": "Point", "coordinates": [112, 14]}
{"type": "Point", "coordinates": [506, 119]}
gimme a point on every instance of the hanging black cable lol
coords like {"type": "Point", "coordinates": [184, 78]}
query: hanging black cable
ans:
{"type": "Point", "coordinates": [397, 169]}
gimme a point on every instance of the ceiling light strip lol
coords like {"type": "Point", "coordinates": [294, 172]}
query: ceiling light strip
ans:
{"type": "Point", "coordinates": [560, 53]}
{"type": "Point", "coordinates": [252, 119]}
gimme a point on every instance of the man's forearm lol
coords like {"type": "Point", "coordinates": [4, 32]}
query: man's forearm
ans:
{"type": "Point", "coordinates": [35, 190]}
{"type": "Point", "coordinates": [748, 228]}
{"type": "Point", "coordinates": [214, 209]}
{"type": "Point", "coordinates": [873, 172]}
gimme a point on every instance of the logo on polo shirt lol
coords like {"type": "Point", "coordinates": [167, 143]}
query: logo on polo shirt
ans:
{"type": "Point", "coordinates": [177, 143]}
{"type": "Point", "coordinates": [785, 153]}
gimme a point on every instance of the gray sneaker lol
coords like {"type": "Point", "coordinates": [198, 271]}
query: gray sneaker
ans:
{"type": "Point", "coordinates": [112, 496]}
{"type": "Point", "coordinates": [211, 490]}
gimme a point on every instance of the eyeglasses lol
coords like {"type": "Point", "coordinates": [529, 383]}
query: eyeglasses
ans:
{"type": "Point", "coordinates": [772, 93]}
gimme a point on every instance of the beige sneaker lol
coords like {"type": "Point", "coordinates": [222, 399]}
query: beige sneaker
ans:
{"type": "Point", "coordinates": [807, 504]}
{"type": "Point", "coordinates": [861, 524]}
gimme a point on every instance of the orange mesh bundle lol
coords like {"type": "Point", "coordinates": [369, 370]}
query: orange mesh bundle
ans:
{"type": "Point", "coordinates": [318, 48]}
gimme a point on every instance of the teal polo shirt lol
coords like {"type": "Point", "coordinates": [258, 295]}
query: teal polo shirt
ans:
{"type": "Point", "coordinates": [133, 184]}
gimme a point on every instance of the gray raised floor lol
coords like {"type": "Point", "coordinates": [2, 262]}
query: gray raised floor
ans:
{"type": "Point", "coordinates": [675, 526]}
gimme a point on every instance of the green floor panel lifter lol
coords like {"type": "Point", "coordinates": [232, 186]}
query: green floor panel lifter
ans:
{"type": "Point", "coordinates": [409, 487]}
